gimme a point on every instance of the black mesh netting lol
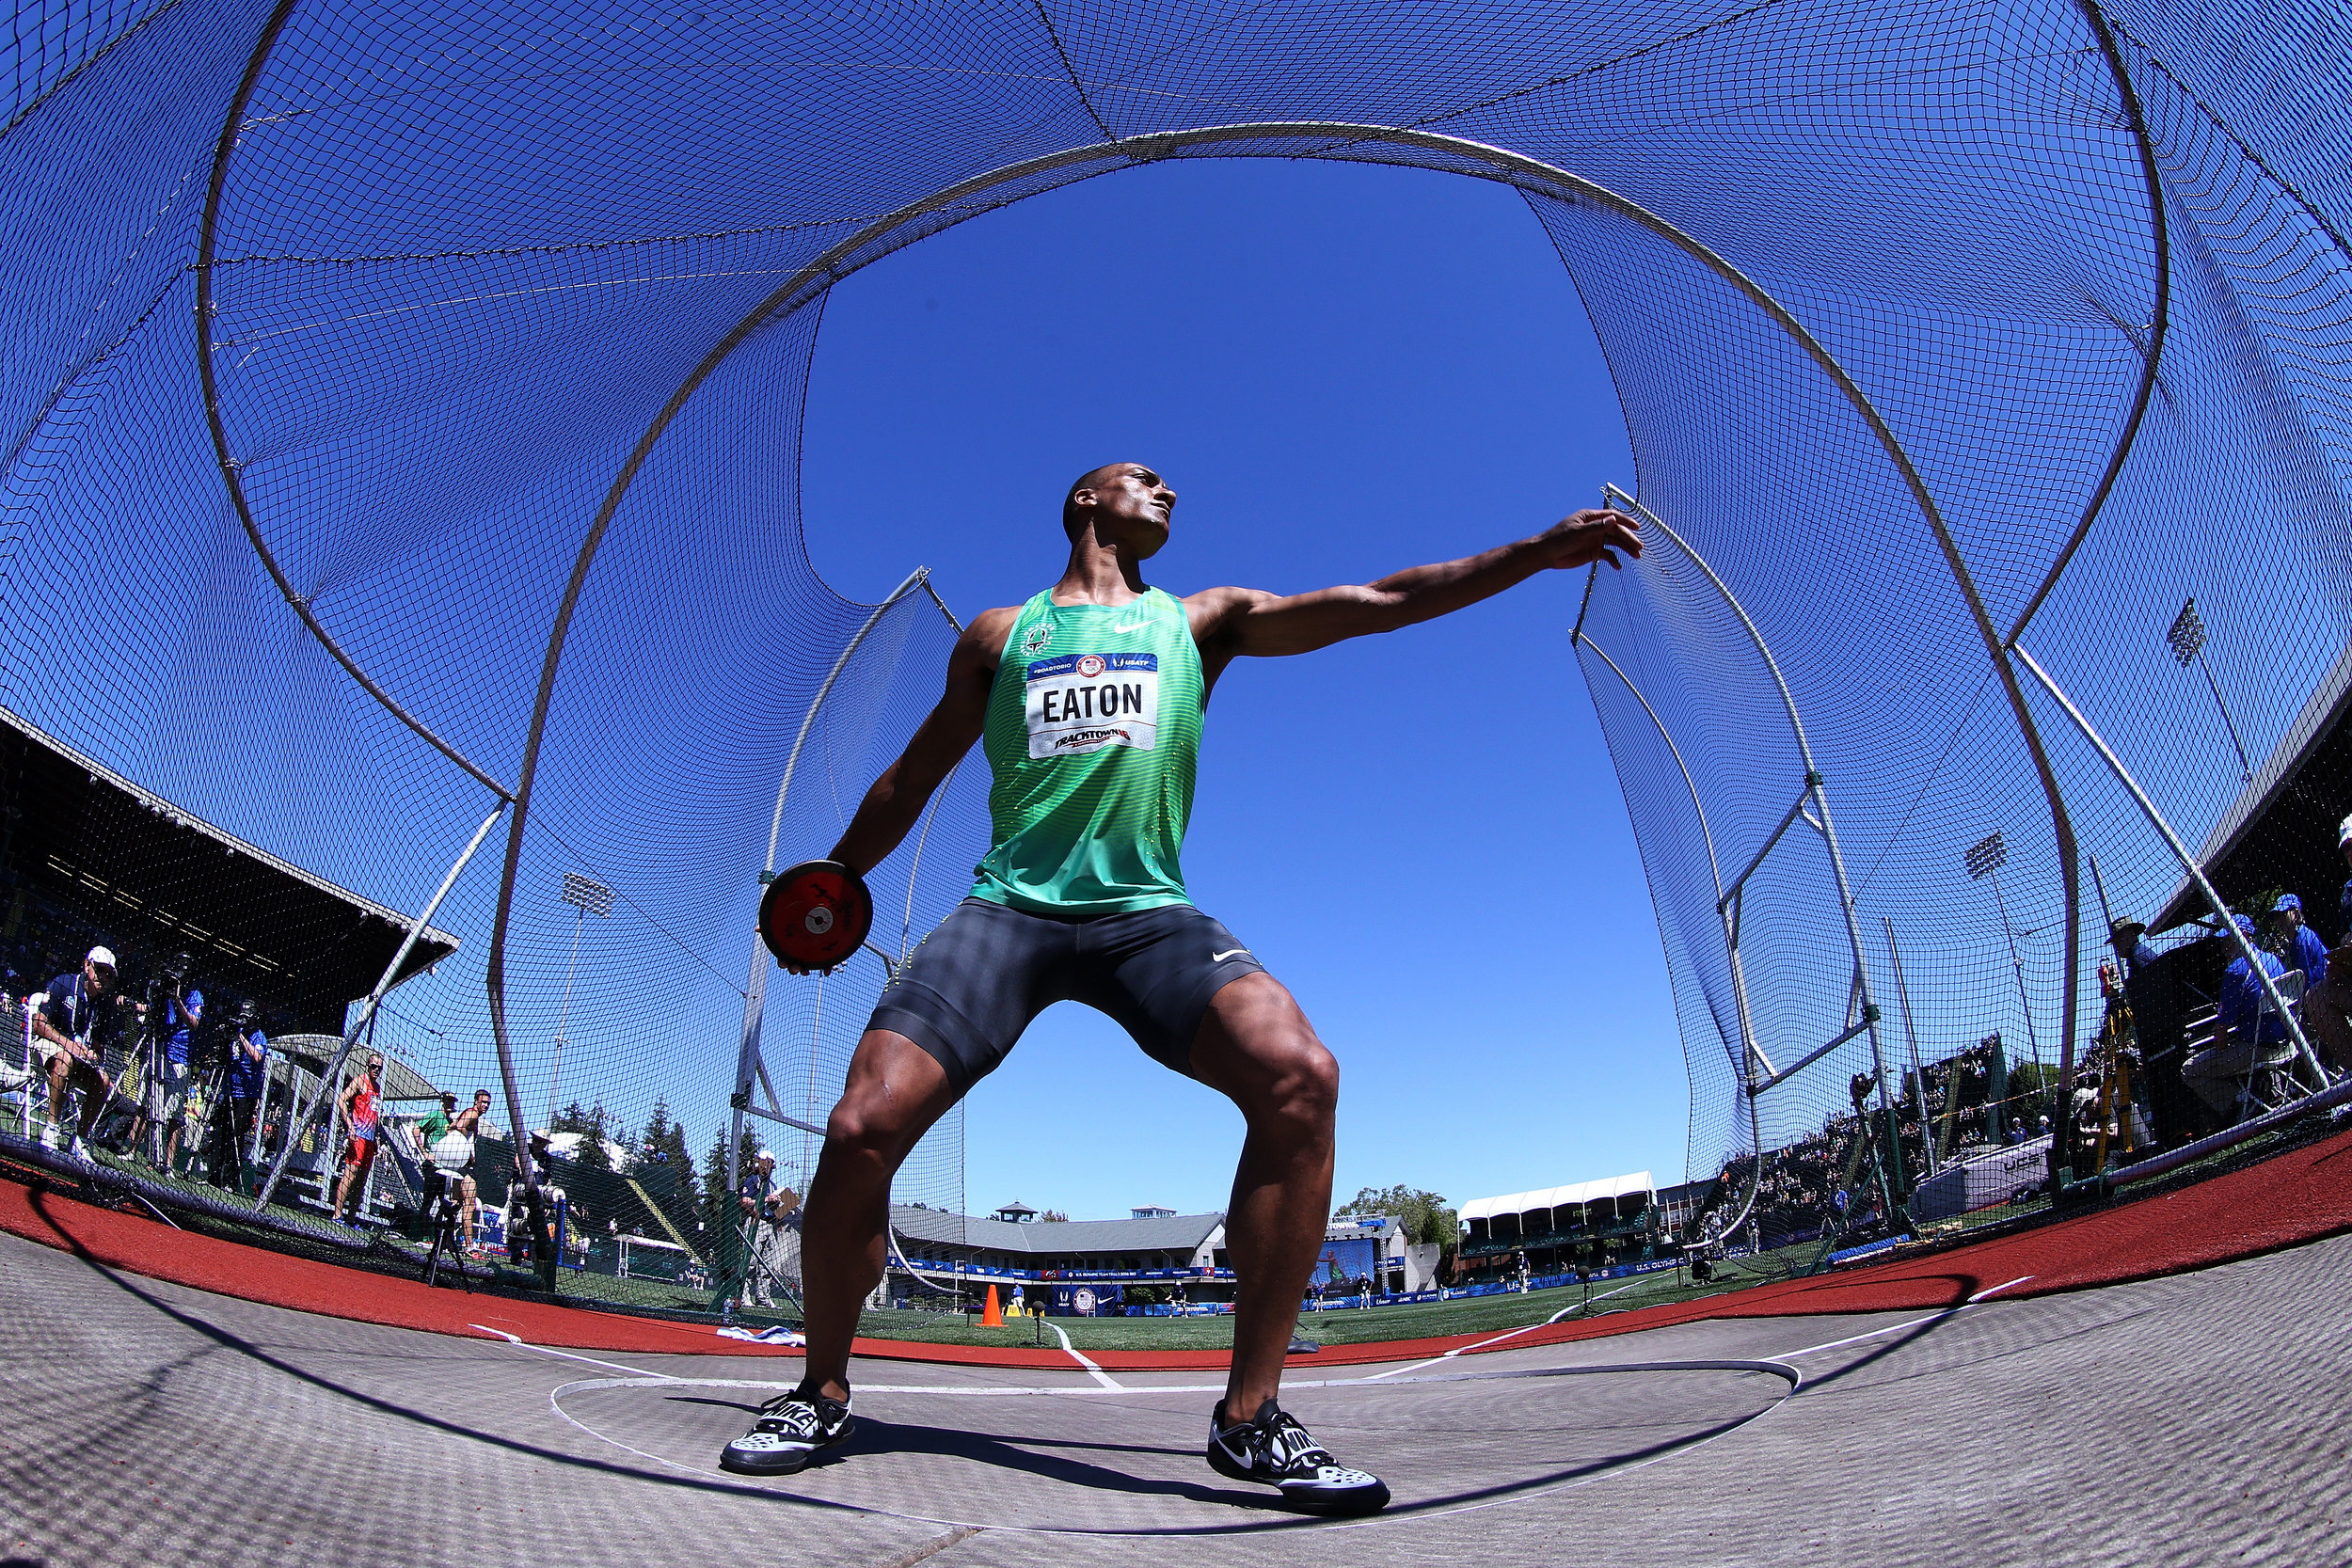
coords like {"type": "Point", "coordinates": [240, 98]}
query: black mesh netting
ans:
{"type": "Point", "coordinates": [461, 351]}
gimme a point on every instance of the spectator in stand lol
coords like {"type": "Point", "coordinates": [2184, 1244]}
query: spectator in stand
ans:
{"type": "Point", "coordinates": [434, 1125]}
{"type": "Point", "coordinates": [81, 1017]}
{"type": "Point", "coordinates": [470, 1124]}
{"type": "Point", "coordinates": [2213, 1071]}
{"type": "Point", "coordinates": [241, 1096]}
{"type": "Point", "coordinates": [17, 1029]}
{"type": "Point", "coordinates": [359, 1097]}
{"type": "Point", "coordinates": [2343, 900]}
{"type": "Point", "coordinates": [776, 1251]}
{"type": "Point", "coordinates": [2329, 998]}
{"type": "Point", "coordinates": [2304, 950]}
{"type": "Point", "coordinates": [751, 1200]}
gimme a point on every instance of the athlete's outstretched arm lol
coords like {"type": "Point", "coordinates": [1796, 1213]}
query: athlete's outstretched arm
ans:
{"type": "Point", "coordinates": [889, 811]}
{"type": "Point", "coordinates": [1243, 620]}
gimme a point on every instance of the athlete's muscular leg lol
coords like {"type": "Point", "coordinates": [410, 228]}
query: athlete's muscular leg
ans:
{"type": "Point", "coordinates": [1257, 1048]}
{"type": "Point", "coordinates": [896, 1090]}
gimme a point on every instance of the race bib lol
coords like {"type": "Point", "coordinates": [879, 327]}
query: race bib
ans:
{"type": "Point", "coordinates": [1082, 703]}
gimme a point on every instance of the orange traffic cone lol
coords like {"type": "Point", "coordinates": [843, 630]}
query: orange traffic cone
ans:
{"type": "Point", "coordinates": [991, 1316]}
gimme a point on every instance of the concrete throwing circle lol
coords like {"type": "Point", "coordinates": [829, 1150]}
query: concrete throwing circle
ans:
{"type": "Point", "coordinates": [1127, 1461]}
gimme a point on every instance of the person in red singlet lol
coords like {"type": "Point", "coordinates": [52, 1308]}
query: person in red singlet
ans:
{"type": "Point", "coordinates": [359, 1099]}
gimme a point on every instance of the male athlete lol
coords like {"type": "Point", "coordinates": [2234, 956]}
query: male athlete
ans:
{"type": "Point", "coordinates": [1088, 699]}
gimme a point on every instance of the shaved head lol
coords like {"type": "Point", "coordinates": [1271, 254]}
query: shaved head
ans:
{"type": "Point", "coordinates": [1070, 521]}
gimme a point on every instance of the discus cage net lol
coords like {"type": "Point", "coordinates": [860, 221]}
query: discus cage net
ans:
{"type": "Point", "coordinates": [402, 410]}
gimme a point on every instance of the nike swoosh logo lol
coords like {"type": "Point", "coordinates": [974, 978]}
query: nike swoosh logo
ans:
{"type": "Point", "coordinates": [1220, 958]}
{"type": "Point", "coordinates": [1131, 626]}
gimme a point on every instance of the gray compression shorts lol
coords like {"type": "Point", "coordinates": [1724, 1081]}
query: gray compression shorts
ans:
{"type": "Point", "coordinates": [973, 986]}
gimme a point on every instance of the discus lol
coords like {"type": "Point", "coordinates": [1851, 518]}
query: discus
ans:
{"type": "Point", "coordinates": [815, 915]}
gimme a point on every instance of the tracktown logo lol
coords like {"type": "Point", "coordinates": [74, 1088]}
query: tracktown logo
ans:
{"type": "Point", "coordinates": [1092, 738]}
{"type": "Point", "coordinates": [1040, 636]}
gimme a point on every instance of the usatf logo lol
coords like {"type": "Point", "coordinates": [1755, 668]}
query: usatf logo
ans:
{"type": "Point", "coordinates": [1040, 634]}
{"type": "Point", "coordinates": [1090, 665]}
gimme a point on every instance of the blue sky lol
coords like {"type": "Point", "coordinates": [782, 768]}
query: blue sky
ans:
{"type": "Point", "coordinates": [1343, 370]}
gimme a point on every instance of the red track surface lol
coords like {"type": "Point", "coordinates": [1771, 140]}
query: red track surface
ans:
{"type": "Point", "coordinates": [2296, 1197]}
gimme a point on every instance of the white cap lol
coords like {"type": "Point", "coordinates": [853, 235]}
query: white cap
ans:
{"type": "Point", "coordinates": [106, 955]}
{"type": "Point", "coordinates": [764, 1154]}
{"type": "Point", "coordinates": [2343, 833]}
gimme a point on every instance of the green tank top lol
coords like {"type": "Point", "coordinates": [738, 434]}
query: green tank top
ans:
{"type": "Point", "coordinates": [1092, 733]}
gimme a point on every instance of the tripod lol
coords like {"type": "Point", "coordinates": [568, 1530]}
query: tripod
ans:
{"type": "Point", "coordinates": [1866, 1151]}
{"type": "Point", "coordinates": [772, 1279]}
{"type": "Point", "coordinates": [449, 1204]}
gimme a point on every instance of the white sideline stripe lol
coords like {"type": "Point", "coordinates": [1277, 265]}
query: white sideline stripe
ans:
{"type": "Point", "coordinates": [1416, 1366]}
{"type": "Point", "coordinates": [1910, 1323]}
{"type": "Point", "coordinates": [1097, 1373]}
{"type": "Point", "coordinates": [521, 1343]}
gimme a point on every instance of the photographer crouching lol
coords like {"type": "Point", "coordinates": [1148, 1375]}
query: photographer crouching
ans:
{"type": "Point", "coordinates": [72, 1029]}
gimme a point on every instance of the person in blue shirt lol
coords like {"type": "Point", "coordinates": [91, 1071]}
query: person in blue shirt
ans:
{"type": "Point", "coordinates": [2329, 998]}
{"type": "Point", "coordinates": [2305, 951]}
{"type": "Point", "coordinates": [73, 1030]}
{"type": "Point", "coordinates": [2213, 1071]}
{"type": "Point", "coordinates": [171, 1097]}
{"type": "Point", "coordinates": [241, 1095]}
{"type": "Point", "coordinates": [2343, 900]}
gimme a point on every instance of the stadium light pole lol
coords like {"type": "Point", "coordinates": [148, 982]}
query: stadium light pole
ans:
{"type": "Point", "coordinates": [2187, 637]}
{"type": "Point", "coordinates": [587, 896]}
{"type": "Point", "coordinates": [1984, 859]}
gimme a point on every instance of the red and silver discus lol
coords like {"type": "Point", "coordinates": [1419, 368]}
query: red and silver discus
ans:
{"type": "Point", "coordinates": [815, 915]}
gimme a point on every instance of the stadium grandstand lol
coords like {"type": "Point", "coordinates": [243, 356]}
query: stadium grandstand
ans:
{"type": "Point", "coordinates": [1084, 1268]}
{"type": "Point", "coordinates": [1598, 1225]}
{"type": "Point", "coordinates": [87, 856]}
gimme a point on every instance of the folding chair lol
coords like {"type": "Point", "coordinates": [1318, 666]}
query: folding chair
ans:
{"type": "Point", "coordinates": [2273, 1064]}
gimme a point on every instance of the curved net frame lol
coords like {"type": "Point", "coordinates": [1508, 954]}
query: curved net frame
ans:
{"type": "Point", "coordinates": [453, 357]}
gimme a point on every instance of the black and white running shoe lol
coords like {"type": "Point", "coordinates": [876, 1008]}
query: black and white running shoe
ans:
{"type": "Point", "coordinates": [790, 1430]}
{"type": "Point", "coordinates": [1275, 1450]}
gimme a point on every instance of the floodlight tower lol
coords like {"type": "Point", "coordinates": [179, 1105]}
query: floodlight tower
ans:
{"type": "Point", "coordinates": [1985, 859]}
{"type": "Point", "coordinates": [2188, 638]}
{"type": "Point", "coordinates": [588, 897]}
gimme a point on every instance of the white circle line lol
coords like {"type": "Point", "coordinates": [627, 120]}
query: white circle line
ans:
{"type": "Point", "coordinates": [1776, 1369]}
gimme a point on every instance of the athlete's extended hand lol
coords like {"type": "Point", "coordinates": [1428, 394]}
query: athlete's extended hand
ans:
{"type": "Point", "coordinates": [1596, 533]}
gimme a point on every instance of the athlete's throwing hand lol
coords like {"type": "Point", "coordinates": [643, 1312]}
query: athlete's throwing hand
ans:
{"type": "Point", "coordinates": [1596, 533]}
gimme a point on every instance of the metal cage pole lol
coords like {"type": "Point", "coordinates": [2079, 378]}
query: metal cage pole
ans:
{"type": "Point", "coordinates": [1824, 823]}
{"type": "Point", "coordinates": [333, 1076]}
{"type": "Point", "coordinates": [749, 1066]}
{"type": "Point", "coordinates": [1911, 1032]}
{"type": "Point", "coordinates": [1750, 1052]}
{"type": "Point", "coordinates": [2181, 852]}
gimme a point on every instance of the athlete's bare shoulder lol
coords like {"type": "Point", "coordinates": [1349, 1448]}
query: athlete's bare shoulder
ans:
{"type": "Point", "coordinates": [1213, 611]}
{"type": "Point", "coordinates": [984, 638]}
